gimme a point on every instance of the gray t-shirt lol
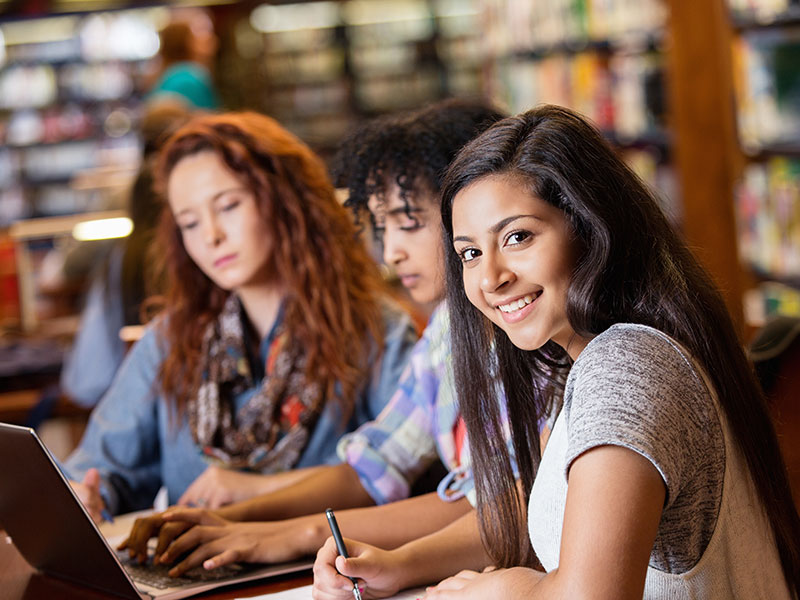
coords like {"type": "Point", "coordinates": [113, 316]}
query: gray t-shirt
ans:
{"type": "Point", "coordinates": [635, 387]}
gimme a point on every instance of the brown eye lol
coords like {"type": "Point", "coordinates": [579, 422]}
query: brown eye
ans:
{"type": "Point", "coordinates": [517, 237]}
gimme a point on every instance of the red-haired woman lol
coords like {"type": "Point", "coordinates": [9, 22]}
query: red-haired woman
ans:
{"type": "Point", "coordinates": [277, 335]}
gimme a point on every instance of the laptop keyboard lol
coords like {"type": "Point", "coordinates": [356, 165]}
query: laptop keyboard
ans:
{"type": "Point", "coordinates": [157, 575]}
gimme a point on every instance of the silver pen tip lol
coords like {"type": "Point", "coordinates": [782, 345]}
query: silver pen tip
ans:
{"type": "Point", "coordinates": [356, 592]}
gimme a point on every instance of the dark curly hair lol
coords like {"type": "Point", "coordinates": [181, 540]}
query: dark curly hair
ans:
{"type": "Point", "coordinates": [411, 149]}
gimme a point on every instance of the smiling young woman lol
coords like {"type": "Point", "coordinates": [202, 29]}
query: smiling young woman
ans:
{"type": "Point", "coordinates": [662, 477]}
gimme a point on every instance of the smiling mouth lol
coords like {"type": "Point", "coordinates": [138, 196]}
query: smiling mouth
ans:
{"type": "Point", "coordinates": [519, 304]}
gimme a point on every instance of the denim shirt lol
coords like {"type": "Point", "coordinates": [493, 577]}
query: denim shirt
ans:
{"type": "Point", "coordinates": [133, 438]}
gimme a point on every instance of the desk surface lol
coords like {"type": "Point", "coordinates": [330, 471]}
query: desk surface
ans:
{"type": "Point", "coordinates": [18, 581]}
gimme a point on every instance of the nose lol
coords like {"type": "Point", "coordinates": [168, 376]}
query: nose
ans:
{"type": "Point", "coordinates": [393, 251]}
{"type": "Point", "coordinates": [495, 273]}
{"type": "Point", "coordinates": [213, 234]}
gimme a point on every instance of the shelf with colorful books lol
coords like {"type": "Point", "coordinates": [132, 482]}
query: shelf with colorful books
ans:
{"type": "Point", "coordinates": [757, 14]}
{"type": "Point", "coordinates": [319, 67]}
{"type": "Point", "coordinates": [766, 64]}
{"type": "Point", "coordinates": [603, 59]}
{"type": "Point", "coordinates": [70, 99]}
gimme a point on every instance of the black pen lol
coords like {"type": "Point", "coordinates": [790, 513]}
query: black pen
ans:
{"type": "Point", "coordinates": [337, 537]}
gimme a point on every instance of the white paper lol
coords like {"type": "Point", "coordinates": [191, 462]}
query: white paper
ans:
{"type": "Point", "coordinates": [304, 593]}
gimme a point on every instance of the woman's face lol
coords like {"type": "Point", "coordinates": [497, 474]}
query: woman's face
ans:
{"type": "Point", "coordinates": [518, 256]}
{"type": "Point", "coordinates": [222, 229]}
{"type": "Point", "coordinates": [412, 242]}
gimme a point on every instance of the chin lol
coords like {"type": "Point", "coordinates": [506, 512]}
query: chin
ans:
{"type": "Point", "coordinates": [526, 342]}
{"type": "Point", "coordinates": [421, 296]}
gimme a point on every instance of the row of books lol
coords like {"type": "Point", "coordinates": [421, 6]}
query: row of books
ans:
{"type": "Point", "coordinates": [768, 215]}
{"type": "Point", "coordinates": [128, 35]}
{"type": "Point", "coordinates": [520, 25]}
{"type": "Point", "coordinates": [762, 10]}
{"type": "Point", "coordinates": [768, 299]}
{"type": "Point", "coordinates": [38, 85]}
{"type": "Point", "coordinates": [622, 93]}
{"type": "Point", "coordinates": [767, 78]}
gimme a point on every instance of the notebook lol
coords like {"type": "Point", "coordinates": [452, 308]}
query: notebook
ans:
{"type": "Point", "coordinates": [54, 533]}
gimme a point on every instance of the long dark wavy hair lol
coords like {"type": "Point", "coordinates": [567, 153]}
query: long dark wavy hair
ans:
{"type": "Point", "coordinates": [333, 288]}
{"type": "Point", "coordinates": [633, 268]}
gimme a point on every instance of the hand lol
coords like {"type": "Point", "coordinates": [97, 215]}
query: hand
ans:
{"type": "Point", "coordinates": [88, 491]}
{"type": "Point", "coordinates": [491, 583]}
{"type": "Point", "coordinates": [146, 527]}
{"type": "Point", "coordinates": [377, 572]}
{"type": "Point", "coordinates": [217, 486]}
{"type": "Point", "coordinates": [215, 542]}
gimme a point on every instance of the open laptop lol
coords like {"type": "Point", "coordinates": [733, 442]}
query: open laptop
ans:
{"type": "Point", "coordinates": [51, 529]}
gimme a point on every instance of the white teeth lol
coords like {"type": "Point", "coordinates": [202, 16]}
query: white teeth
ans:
{"type": "Point", "coordinates": [516, 304]}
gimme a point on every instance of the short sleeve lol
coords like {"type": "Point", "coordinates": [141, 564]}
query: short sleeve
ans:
{"type": "Point", "coordinates": [637, 389]}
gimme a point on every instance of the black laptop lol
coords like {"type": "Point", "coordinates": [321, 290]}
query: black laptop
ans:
{"type": "Point", "coordinates": [51, 529]}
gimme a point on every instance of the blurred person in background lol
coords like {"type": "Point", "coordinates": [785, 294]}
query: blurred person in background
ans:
{"type": "Point", "coordinates": [123, 281]}
{"type": "Point", "coordinates": [278, 334]}
{"type": "Point", "coordinates": [185, 57]}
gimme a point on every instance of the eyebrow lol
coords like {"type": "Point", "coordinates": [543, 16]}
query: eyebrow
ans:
{"type": "Point", "coordinates": [497, 227]}
{"type": "Point", "coordinates": [402, 210]}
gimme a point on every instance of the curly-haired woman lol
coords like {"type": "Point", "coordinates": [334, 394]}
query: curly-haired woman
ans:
{"type": "Point", "coordinates": [277, 337]}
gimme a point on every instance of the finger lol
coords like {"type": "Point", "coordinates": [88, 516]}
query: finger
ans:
{"type": "Point", "coordinates": [220, 560]}
{"type": "Point", "coordinates": [218, 498]}
{"type": "Point", "coordinates": [323, 593]}
{"type": "Point", "coordinates": [467, 575]}
{"type": "Point", "coordinates": [196, 516]}
{"type": "Point", "coordinates": [168, 533]}
{"type": "Point", "coordinates": [363, 567]}
{"type": "Point", "coordinates": [450, 584]}
{"type": "Point", "coordinates": [324, 569]}
{"type": "Point", "coordinates": [194, 559]}
{"type": "Point", "coordinates": [92, 480]}
{"type": "Point", "coordinates": [319, 593]}
{"type": "Point", "coordinates": [181, 545]}
{"type": "Point", "coordinates": [192, 493]}
{"type": "Point", "coordinates": [143, 529]}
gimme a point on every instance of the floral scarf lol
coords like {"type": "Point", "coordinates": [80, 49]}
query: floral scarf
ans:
{"type": "Point", "coordinates": [271, 430]}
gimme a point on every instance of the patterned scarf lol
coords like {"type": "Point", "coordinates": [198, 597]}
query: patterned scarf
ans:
{"type": "Point", "coordinates": [270, 432]}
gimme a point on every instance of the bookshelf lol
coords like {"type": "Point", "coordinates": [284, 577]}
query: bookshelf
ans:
{"type": "Point", "coordinates": [659, 78]}
{"type": "Point", "coordinates": [765, 53]}
{"type": "Point", "coordinates": [605, 60]}
{"type": "Point", "coordinates": [70, 102]}
{"type": "Point", "coordinates": [320, 67]}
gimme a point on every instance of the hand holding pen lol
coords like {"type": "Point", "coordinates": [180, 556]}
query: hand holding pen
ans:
{"type": "Point", "coordinates": [341, 548]}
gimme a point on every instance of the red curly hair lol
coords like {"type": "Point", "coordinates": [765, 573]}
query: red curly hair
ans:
{"type": "Point", "coordinates": [333, 287]}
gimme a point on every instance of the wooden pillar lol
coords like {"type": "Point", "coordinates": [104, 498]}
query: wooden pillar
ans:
{"type": "Point", "coordinates": [707, 155]}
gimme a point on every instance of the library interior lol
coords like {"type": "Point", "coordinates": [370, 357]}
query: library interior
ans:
{"type": "Point", "coordinates": [700, 99]}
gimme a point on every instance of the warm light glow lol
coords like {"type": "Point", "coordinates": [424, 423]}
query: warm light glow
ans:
{"type": "Point", "coordinates": [102, 229]}
{"type": "Point", "coordinates": [294, 17]}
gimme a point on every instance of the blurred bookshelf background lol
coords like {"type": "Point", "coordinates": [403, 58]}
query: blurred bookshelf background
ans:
{"type": "Point", "coordinates": [722, 152]}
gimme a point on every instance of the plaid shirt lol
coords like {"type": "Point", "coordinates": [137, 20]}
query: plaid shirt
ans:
{"type": "Point", "coordinates": [417, 426]}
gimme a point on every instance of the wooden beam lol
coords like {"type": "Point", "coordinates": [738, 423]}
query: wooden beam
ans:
{"type": "Point", "coordinates": [707, 155]}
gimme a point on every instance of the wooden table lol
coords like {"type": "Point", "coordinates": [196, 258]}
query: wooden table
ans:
{"type": "Point", "coordinates": [18, 581]}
